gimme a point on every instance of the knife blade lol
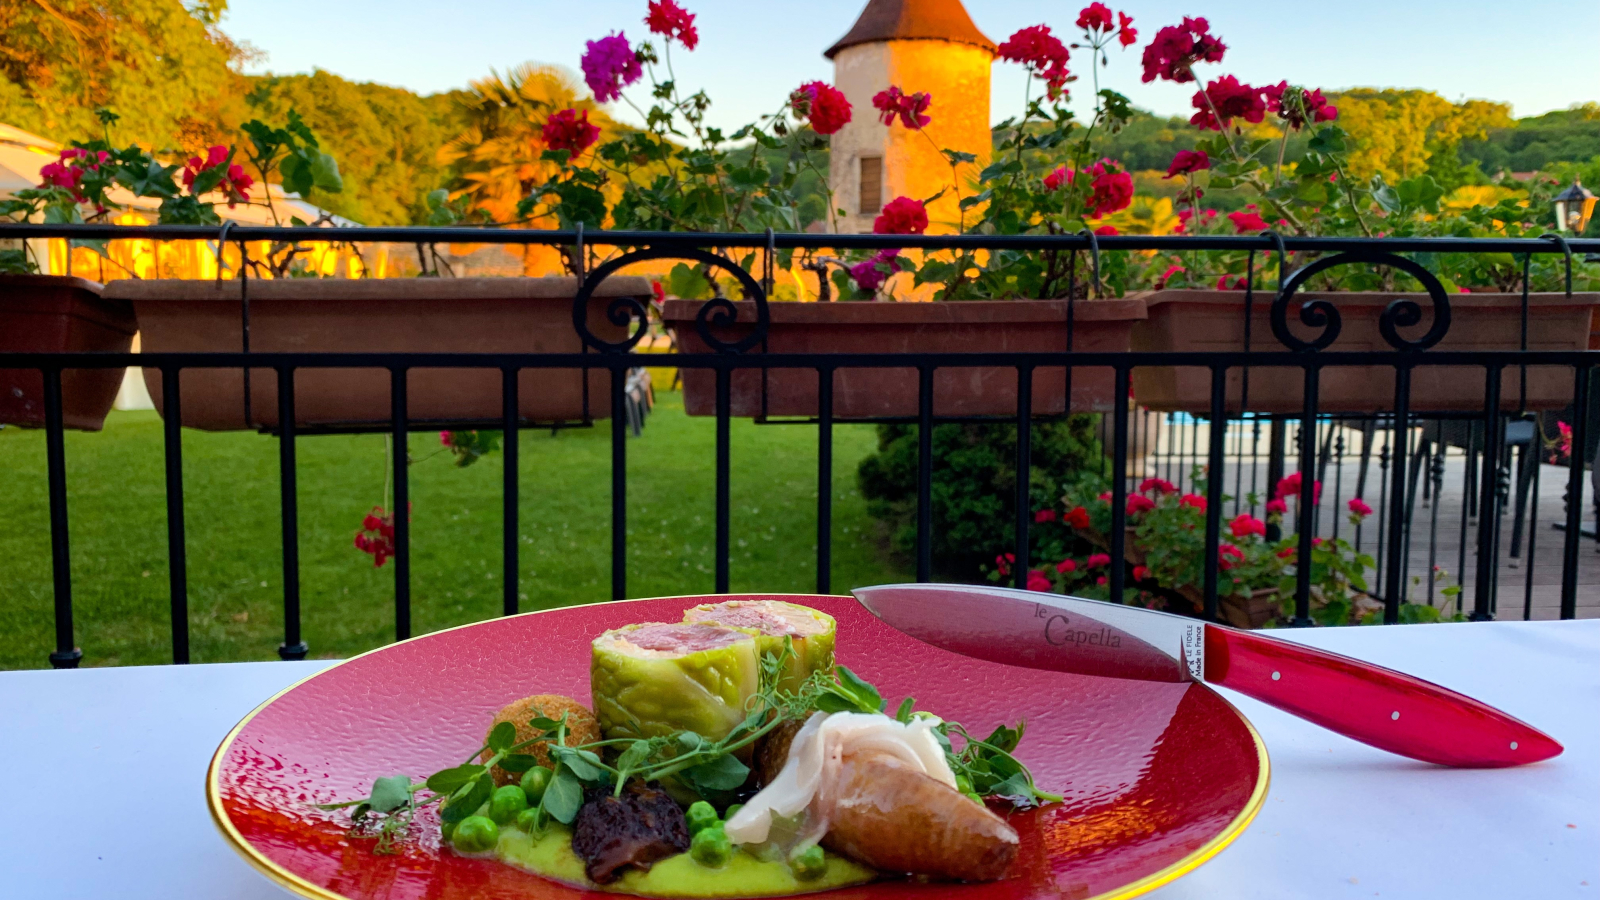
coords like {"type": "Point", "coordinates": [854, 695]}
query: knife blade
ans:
{"type": "Point", "coordinates": [1380, 707]}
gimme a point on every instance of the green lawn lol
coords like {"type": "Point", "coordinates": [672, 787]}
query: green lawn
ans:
{"type": "Point", "coordinates": [119, 555]}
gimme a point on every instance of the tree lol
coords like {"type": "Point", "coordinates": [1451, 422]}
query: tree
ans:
{"type": "Point", "coordinates": [386, 140]}
{"type": "Point", "coordinates": [1398, 133]}
{"type": "Point", "coordinates": [1538, 142]}
{"type": "Point", "coordinates": [163, 65]}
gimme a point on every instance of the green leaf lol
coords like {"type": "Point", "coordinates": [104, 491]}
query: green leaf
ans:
{"type": "Point", "coordinates": [903, 714]}
{"type": "Point", "coordinates": [564, 796]}
{"type": "Point", "coordinates": [721, 774]}
{"type": "Point", "coordinates": [390, 793]}
{"type": "Point", "coordinates": [583, 763]}
{"type": "Point", "coordinates": [518, 762]}
{"type": "Point", "coordinates": [871, 700]}
{"type": "Point", "coordinates": [297, 175]}
{"type": "Point", "coordinates": [633, 757]}
{"type": "Point", "coordinates": [502, 736]}
{"type": "Point", "coordinates": [957, 157]}
{"type": "Point", "coordinates": [449, 780]}
{"type": "Point", "coordinates": [465, 803]}
{"type": "Point", "coordinates": [325, 173]}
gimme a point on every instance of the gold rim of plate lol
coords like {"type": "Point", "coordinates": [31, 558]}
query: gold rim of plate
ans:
{"type": "Point", "coordinates": [294, 883]}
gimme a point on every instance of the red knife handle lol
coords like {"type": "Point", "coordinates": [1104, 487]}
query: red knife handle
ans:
{"type": "Point", "coordinates": [1380, 707]}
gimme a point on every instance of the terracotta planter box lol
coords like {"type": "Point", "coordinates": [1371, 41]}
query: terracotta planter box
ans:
{"type": "Point", "coordinates": [1214, 321]}
{"type": "Point", "coordinates": [417, 315]}
{"type": "Point", "coordinates": [882, 327]}
{"type": "Point", "coordinates": [60, 314]}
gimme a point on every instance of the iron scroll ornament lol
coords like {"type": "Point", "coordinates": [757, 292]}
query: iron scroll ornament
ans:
{"type": "Point", "coordinates": [1400, 313]}
{"type": "Point", "coordinates": [719, 312]}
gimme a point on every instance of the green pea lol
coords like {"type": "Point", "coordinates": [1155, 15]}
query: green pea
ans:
{"type": "Point", "coordinates": [732, 811]}
{"type": "Point", "coordinates": [476, 834]}
{"type": "Point", "coordinates": [710, 847]}
{"type": "Point", "coordinates": [963, 784]}
{"type": "Point", "coordinates": [534, 781]}
{"type": "Point", "coordinates": [701, 815]}
{"type": "Point", "coordinates": [532, 821]}
{"type": "Point", "coordinates": [506, 803]}
{"type": "Point", "coordinates": [809, 864]}
{"type": "Point", "coordinates": [446, 829]}
{"type": "Point", "coordinates": [975, 798]}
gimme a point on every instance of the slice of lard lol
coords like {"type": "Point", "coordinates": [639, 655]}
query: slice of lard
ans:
{"type": "Point", "coordinates": [807, 782]}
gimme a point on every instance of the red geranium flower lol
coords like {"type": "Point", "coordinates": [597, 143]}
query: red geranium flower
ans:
{"type": "Point", "coordinates": [1107, 231]}
{"type": "Point", "coordinates": [670, 20]}
{"type": "Point", "coordinates": [1003, 562]}
{"type": "Point", "coordinates": [1139, 503]}
{"type": "Point", "coordinates": [570, 130]}
{"type": "Point", "coordinates": [1167, 275]}
{"type": "Point", "coordinates": [1176, 48]}
{"type": "Point", "coordinates": [1127, 35]}
{"type": "Point", "coordinates": [1077, 517]}
{"type": "Point", "coordinates": [1277, 507]}
{"type": "Point", "coordinates": [1232, 99]}
{"type": "Point", "coordinates": [1194, 500]}
{"type": "Point", "coordinates": [1111, 188]}
{"type": "Point", "coordinates": [1140, 573]}
{"type": "Point", "coordinates": [1043, 54]}
{"type": "Point", "coordinates": [1359, 507]}
{"type": "Point", "coordinates": [1066, 565]}
{"type": "Point", "coordinates": [910, 108]}
{"type": "Point", "coordinates": [1245, 221]}
{"type": "Point", "coordinates": [1159, 485]}
{"type": "Point", "coordinates": [1238, 283]}
{"type": "Point", "coordinates": [1097, 560]}
{"type": "Point", "coordinates": [1185, 162]}
{"type": "Point", "coordinates": [1044, 515]}
{"type": "Point", "coordinates": [902, 215]}
{"type": "Point", "coordinates": [823, 105]}
{"type": "Point", "coordinates": [1062, 175]}
{"type": "Point", "coordinates": [1245, 525]}
{"type": "Point", "coordinates": [1095, 17]}
{"type": "Point", "coordinates": [1290, 487]}
{"type": "Point", "coordinates": [1229, 556]}
{"type": "Point", "coordinates": [1296, 105]}
{"type": "Point", "coordinates": [1037, 581]}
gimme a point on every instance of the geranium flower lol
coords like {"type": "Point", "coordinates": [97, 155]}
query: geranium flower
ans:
{"type": "Point", "coordinates": [1229, 556]}
{"type": "Point", "coordinates": [670, 20]}
{"type": "Point", "coordinates": [215, 156]}
{"type": "Point", "coordinates": [1231, 99]}
{"type": "Point", "coordinates": [1077, 517]}
{"type": "Point", "coordinates": [1003, 562]}
{"type": "Point", "coordinates": [1244, 525]}
{"type": "Point", "coordinates": [1238, 283]}
{"type": "Point", "coordinates": [909, 108]}
{"type": "Point", "coordinates": [1140, 573]}
{"type": "Point", "coordinates": [1565, 441]}
{"type": "Point", "coordinates": [1185, 162]}
{"type": "Point", "coordinates": [1295, 105]}
{"type": "Point", "coordinates": [1042, 53]}
{"type": "Point", "coordinates": [902, 215]}
{"type": "Point", "coordinates": [1127, 35]}
{"type": "Point", "coordinates": [1287, 553]}
{"type": "Point", "coordinates": [1038, 581]}
{"type": "Point", "coordinates": [870, 274]}
{"type": "Point", "coordinates": [1139, 503]}
{"type": "Point", "coordinates": [1176, 48]}
{"type": "Point", "coordinates": [609, 65]}
{"type": "Point", "coordinates": [1044, 515]}
{"type": "Point", "coordinates": [1111, 188]}
{"type": "Point", "coordinates": [1107, 231]}
{"type": "Point", "coordinates": [1066, 565]}
{"type": "Point", "coordinates": [1277, 507]}
{"type": "Point", "coordinates": [570, 130]}
{"type": "Point", "coordinates": [1184, 215]}
{"type": "Point", "coordinates": [1359, 508]}
{"type": "Point", "coordinates": [1062, 175]}
{"type": "Point", "coordinates": [1194, 500]}
{"type": "Point", "coordinates": [822, 104]}
{"type": "Point", "coordinates": [444, 438]}
{"type": "Point", "coordinates": [1167, 275]}
{"type": "Point", "coordinates": [1095, 17]}
{"type": "Point", "coordinates": [1159, 485]}
{"type": "Point", "coordinates": [1290, 487]}
{"type": "Point", "coordinates": [1098, 560]}
{"type": "Point", "coordinates": [1245, 221]}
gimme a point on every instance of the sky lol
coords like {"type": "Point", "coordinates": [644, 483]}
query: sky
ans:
{"type": "Point", "coordinates": [752, 53]}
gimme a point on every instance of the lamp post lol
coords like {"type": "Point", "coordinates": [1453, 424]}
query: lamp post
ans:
{"type": "Point", "coordinates": [1573, 208]}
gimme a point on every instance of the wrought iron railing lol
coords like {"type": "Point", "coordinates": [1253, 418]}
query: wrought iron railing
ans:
{"type": "Point", "coordinates": [1308, 356]}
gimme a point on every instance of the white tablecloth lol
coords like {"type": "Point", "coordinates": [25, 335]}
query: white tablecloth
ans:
{"type": "Point", "coordinates": [105, 777]}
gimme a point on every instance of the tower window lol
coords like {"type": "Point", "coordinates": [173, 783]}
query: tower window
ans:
{"type": "Point", "coordinates": [871, 184]}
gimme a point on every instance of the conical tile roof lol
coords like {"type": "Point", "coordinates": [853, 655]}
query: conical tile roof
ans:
{"type": "Point", "coordinates": [902, 20]}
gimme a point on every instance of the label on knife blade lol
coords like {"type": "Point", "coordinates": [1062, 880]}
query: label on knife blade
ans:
{"type": "Point", "coordinates": [1194, 650]}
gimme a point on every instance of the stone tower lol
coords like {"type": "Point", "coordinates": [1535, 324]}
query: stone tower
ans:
{"type": "Point", "coordinates": [917, 45]}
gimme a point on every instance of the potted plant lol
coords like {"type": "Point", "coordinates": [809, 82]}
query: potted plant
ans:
{"type": "Point", "coordinates": [1200, 303]}
{"type": "Point", "coordinates": [1011, 304]}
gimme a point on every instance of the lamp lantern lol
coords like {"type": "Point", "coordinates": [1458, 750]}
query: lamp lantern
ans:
{"type": "Point", "coordinates": [1573, 206]}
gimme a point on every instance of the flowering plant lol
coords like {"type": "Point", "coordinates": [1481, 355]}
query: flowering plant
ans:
{"type": "Point", "coordinates": [79, 187]}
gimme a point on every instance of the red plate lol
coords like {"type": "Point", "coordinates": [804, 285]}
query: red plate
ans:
{"type": "Point", "coordinates": [1158, 778]}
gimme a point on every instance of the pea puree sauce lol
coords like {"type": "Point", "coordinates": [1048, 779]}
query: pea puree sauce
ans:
{"type": "Point", "coordinates": [550, 855]}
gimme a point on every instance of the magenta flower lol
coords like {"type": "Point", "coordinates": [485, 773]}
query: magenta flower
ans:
{"type": "Point", "coordinates": [609, 65]}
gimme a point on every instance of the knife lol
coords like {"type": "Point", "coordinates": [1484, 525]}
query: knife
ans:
{"type": "Point", "coordinates": [1374, 705]}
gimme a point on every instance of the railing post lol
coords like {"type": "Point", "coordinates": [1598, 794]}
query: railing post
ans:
{"type": "Point", "coordinates": [619, 484]}
{"type": "Point", "coordinates": [724, 414]}
{"type": "Point", "coordinates": [1305, 505]}
{"type": "Point", "coordinates": [177, 553]}
{"type": "Point", "coordinates": [1489, 502]}
{"type": "Point", "coordinates": [293, 647]}
{"type": "Point", "coordinates": [824, 480]}
{"type": "Point", "coordinates": [509, 526]}
{"type": "Point", "coordinates": [1024, 510]}
{"type": "Point", "coordinates": [924, 473]}
{"type": "Point", "coordinates": [66, 655]}
{"type": "Point", "coordinates": [1398, 549]}
{"type": "Point", "coordinates": [1119, 482]}
{"type": "Point", "coordinates": [399, 411]}
{"type": "Point", "coordinates": [1214, 461]}
{"type": "Point", "coordinates": [1569, 548]}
